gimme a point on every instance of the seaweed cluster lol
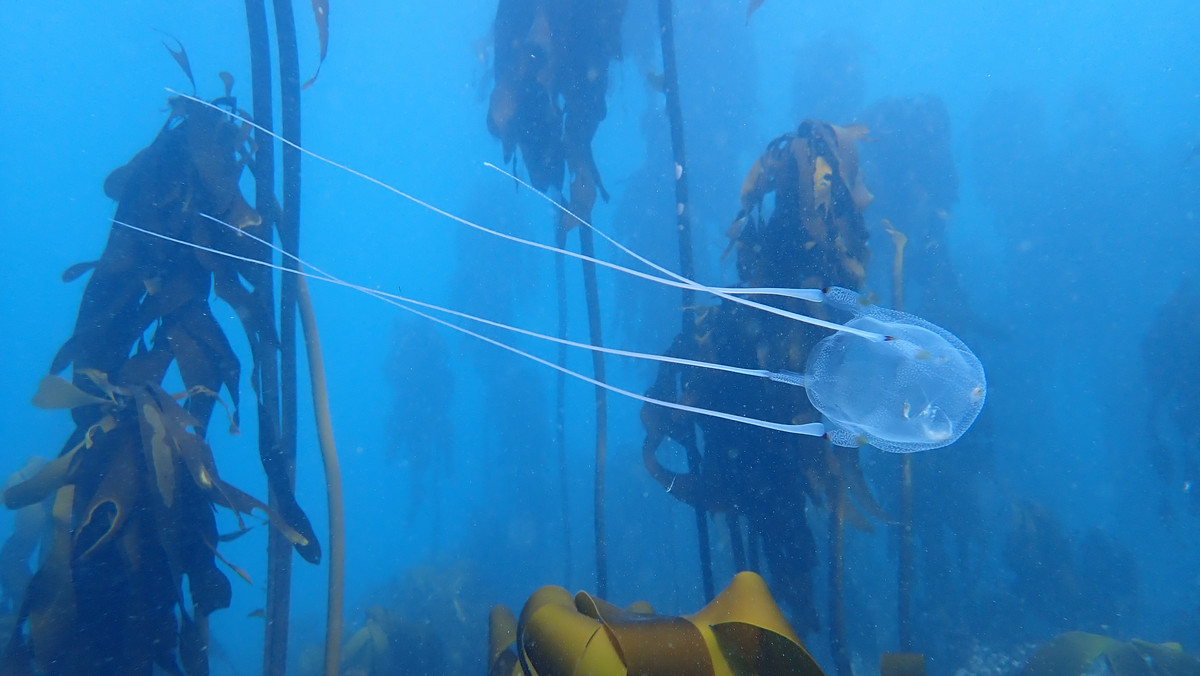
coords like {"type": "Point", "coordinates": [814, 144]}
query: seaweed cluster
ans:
{"type": "Point", "coordinates": [1068, 581]}
{"type": "Point", "coordinates": [135, 485]}
{"type": "Point", "coordinates": [427, 620]}
{"type": "Point", "coordinates": [1075, 653]}
{"type": "Point", "coordinates": [389, 644]}
{"type": "Point", "coordinates": [1171, 362]}
{"type": "Point", "coordinates": [551, 79]}
{"type": "Point", "coordinates": [800, 226]}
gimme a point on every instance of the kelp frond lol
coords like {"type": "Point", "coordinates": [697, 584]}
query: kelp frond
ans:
{"type": "Point", "coordinates": [135, 485]}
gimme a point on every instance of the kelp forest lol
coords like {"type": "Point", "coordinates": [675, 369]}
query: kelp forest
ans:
{"type": "Point", "coordinates": [624, 337]}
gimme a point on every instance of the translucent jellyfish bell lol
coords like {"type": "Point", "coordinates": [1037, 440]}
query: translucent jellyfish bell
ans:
{"type": "Point", "coordinates": [919, 389]}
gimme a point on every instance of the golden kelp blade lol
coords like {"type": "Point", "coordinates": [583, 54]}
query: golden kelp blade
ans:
{"type": "Point", "coordinates": [181, 58]}
{"type": "Point", "coordinates": [556, 638]}
{"type": "Point", "coordinates": [232, 566]}
{"type": "Point", "coordinates": [50, 598]}
{"type": "Point", "coordinates": [741, 633]}
{"type": "Point", "coordinates": [321, 14]}
{"type": "Point", "coordinates": [160, 450]}
{"type": "Point", "coordinates": [502, 633]}
{"type": "Point", "coordinates": [902, 664]}
{"type": "Point", "coordinates": [56, 392]}
{"type": "Point", "coordinates": [745, 627]}
{"type": "Point", "coordinates": [1075, 652]}
{"type": "Point", "coordinates": [649, 643]}
{"type": "Point", "coordinates": [751, 8]}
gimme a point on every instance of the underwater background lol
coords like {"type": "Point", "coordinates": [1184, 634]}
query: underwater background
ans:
{"type": "Point", "coordinates": [1041, 156]}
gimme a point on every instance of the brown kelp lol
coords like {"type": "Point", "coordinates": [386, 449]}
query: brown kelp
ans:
{"type": "Point", "coordinates": [136, 483]}
{"type": "Point", "coordinates": [1170, 364]}
{"type": "Point", "coordinates": [277, 405]}
{"type": "Point", "coordinates": [915, 184]}
{"type": "Point", "coordinates": [551, 64]}
{"type": "Point", "coordinates": [389, 644]}
{"type": "Point", "coordinates": [740, 633]}
{"type": "Point", "coordinates": [683, 224]}
{"type": "Point", "coordinates": [428, 619]}
{"type": "Point", "coordinates": [1086, 581]}
{"type": "Point", "coordinates": [812, 238]}
{"type": "Point", "coordinates": [904, 566]}
{"type": "Point", "coordinates": [336, 588]}
{"type": "Point", "coordinates": [902, 664]}
{"type": "Point", "coordinates": [30, 531]}
{"type": "Point", "coordinates": [1075, 653]}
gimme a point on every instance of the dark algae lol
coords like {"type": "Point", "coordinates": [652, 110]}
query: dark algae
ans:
{"type": "Point", "coordinates": [754, 479]}
{"type": "Point", "coordinates": [135, 485]}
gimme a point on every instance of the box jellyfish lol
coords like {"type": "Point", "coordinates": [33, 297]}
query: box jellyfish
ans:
{"type": "Point", "coordinates": [884, 378]}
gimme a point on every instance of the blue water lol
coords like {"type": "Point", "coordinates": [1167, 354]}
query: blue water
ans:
{"type": "Point", "coordinates": [1070, 222]}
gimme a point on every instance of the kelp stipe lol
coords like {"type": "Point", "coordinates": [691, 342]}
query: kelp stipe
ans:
{"type": "Point", "coordinates": [278, 401]}
{"type": "Point", "coordinates": [548, 102]}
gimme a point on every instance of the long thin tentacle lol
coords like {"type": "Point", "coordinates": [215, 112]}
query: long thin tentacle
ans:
{"type": "Point", "coordinates": [675, 280]}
